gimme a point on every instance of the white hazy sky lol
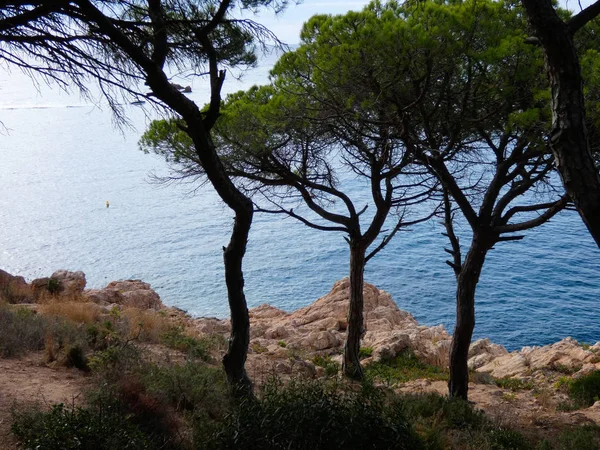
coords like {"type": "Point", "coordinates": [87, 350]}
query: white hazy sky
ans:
{"type": "Point", "coordinates": [287, 25]}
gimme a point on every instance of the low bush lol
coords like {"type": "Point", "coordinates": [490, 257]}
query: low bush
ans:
{"type": "Point", "coordinates": [331, 367]}
{"type": "Point", "coordinates": [314, 415]}
{"type": "Point", "coordinates": [514, 384]}
{"type": "Point", "coordinates": [584, 391]}
{"type": "Point", "coordinates": [194, 347]}
{"type": "Point", "coordinates": [192, 386]}
{"type": "Point", "coordinates": [21, 331]}
{"type": "Point", "coordinates": [585, 437]}
{"type": "Point", "coordinates": [404, 367]}
{"type": "Point", "coordinates": [100, 426]}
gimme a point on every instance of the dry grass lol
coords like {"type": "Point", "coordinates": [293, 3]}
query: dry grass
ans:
{"type": "Point", "coordinates": [147, 326]}
{"type": "Point", "coordinates": [44, 298]}
{"type": "Point", "coordinates": [14, 293]}
{"type": "Point", "coordinates": [77, 312]}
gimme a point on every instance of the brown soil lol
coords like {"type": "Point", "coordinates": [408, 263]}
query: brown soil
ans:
{"type": "Point", "coordinates": [28, 379]}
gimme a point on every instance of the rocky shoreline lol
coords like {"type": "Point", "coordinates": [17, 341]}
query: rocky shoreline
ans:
{"type": "Point", "coordinates": [289, 340]}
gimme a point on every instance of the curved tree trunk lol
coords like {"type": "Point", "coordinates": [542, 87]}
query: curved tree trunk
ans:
{"type": "Point", "coordinates": [458, 385]}
{"type": "Point", "coordinates": [568, 138]}
{"type": "Point", "coordinates": [199, 131]}
{"type": "Point", "coordinates": [351, 366]}
{"type": "Point", "coordinates": [234, 360]}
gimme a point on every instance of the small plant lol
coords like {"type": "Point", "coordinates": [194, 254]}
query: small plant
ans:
{"type": "Point", "coordinates": [331, 367]}
{"type": "Point", "coordinates": [563, 383]}
{"type": "Point", "coordinates": [259, 348]}
{"type": "Point", "coordinates": [584, 391]}
{"type": "Point", "coordinates": [514, 384]}
{"type": "Point", "coordinates": [102, 426]}
{"type": "Point", "coordinates": [282, 344]}
{"type": "Point", "coordinates": [585, 437]}
{"type": "Point", "coordinates": [199, 348]}
{"type": "Point", "coordinates": [365, 352]}
{"type": "Point", "coordinates": [76, 358]}
{"type": "Point", "coordinates": [565, 369]}
{"type": "Point", "coordinates": [509, 396]}
{"type": "Point", "coordinates": [53, 286]}
{"type": "Point", "coordinates": [404, 367]}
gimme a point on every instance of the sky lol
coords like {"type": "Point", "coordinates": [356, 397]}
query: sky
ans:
{"type": "Point", "coordinates": [287, 25]}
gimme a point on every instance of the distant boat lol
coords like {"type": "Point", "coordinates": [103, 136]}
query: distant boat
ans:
{"type": "Point", "coordinates": [138, 102]}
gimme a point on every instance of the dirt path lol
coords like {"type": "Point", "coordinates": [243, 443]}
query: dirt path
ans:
{"type": "Point", "coordinates": [29, 380]}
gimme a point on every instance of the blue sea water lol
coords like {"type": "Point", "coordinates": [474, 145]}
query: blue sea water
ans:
{"type": "Point", "coordinates": [62, 158]}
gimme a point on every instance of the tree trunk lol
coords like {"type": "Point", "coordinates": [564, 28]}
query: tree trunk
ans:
{"type": "Point", "coordinates": [351, 366]}
{"type": "Point", "coordinates": [568, 138]}
{"type": "Point", "coordinates": [235, 360]}
{"type": "Point", "coordinates": [467, 280]}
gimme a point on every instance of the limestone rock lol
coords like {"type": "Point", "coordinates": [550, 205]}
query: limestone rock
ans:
{"type": "Point", "coordinates": [71, 283]}
{"type": "Point", "coordinates": [506, 366]}
{"type": "Point", "coordinates": [483, 351]}
{"type": "Point", "coordinates": [566, 355]}
{"type": "Point", "coordinates": [131, 293]}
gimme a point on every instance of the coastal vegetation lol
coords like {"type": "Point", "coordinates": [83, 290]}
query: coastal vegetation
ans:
{"type": "Point", "coordinates": [143, 394]}
{"type": "Point", "coordinates": [442, 108]}
{"type": "Point", "coordinates": [438, 109]}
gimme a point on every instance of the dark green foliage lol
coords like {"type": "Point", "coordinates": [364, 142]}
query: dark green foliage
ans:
{"type": "Point", "coordinates": [331, 367]}
{"type": "Point", "coordinates": [579, 438]}
{"type": "Point", "coordinates": [192, 386]}
{"type": "Point", "coordinates": [448, 412]}
{"type": "Point", "coordinates": [404, 367]}
{"type": "Point", "coordinates": [584, 391]}
{"type": "Point", "coordinates": [314, 415]}
{"type": "Point", "coordinates": [453, 423]}
{"type": "Point", "coordinates": [193, 347]}
{"type": "Point", "coordinates": [102, 426]}
{"type": "Point", "coordinates": [365, 352]}
{"type": "Point", "coordinates": [54, 286]}
{"type": "Point", "coordinates": [76, 358]}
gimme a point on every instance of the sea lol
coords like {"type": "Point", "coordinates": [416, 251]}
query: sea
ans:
{"type": "Point", "coordinates": [63, 156]}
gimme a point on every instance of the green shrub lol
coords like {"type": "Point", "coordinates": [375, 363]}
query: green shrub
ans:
{"type": "Point", "coordinates": [54, 286]}
{"type": "Point", "coordinates": [76, 358]}
{"type": "Point", "coordinates": [365, 352]}
{"type": "Point", "coordinates": [192, 386]}
{"type": "Point", "coordinates": [102, 426]}
{"type": "Point", "coordinates": [175, 338]}
{"type": "Point", "coordinates": [585, 437]}
{"type": "Point", "coordinates": [443, 422]}
{"type": "Point", "coordinates": [584, 391]}
{"type": "Point", "coordinates": [447, 412]}
{"type": "Point", "coordinates": [21, 331]}
{"type": "Point", "coordinates": [404, 367]}
{"type": "Point", "coordinates": [315, 415]}
{"type": "Point", "coordinates": [514, 384]}
{"type": "Point", "coordinates": [331, 367]}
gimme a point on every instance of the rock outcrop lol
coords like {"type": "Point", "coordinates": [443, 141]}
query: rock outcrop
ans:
{"type": "Point", "coordinates": [566, 356]}
{"type": "Point", "coordinates": [129, 293]}
{"type": "Point", "coordinates": [320, 328]}
{"type": "Point", "coordinates": [14, 289]}
{"type": "Point", "coordinates": [67, 285]}
{"type": "Point", "coordinates": [292, 339]}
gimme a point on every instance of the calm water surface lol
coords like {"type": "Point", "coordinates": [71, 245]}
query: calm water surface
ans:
{"type": "Point", "coordinates": [61, 158]}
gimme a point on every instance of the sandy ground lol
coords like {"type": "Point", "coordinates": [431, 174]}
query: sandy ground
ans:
{"type": "Point", "coordinates": [29, 380]}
